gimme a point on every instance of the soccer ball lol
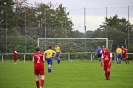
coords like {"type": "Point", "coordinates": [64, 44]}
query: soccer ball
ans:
{"type": "Point", "coordinates": [71, 60]}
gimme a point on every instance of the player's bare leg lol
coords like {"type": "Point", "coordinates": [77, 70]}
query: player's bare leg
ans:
{"type": "Point", "coordinates": [42, 81]}
{"type": "Point", "coordinates": [37, 81]}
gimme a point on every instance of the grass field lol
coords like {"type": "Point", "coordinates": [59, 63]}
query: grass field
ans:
{"type": "Point", "coordinates": [76, 74]}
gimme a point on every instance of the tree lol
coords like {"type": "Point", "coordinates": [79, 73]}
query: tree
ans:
{"type": "Point", "coordinates": [115, 29]}
{"type": "Point", "coordinates": [7, 14]}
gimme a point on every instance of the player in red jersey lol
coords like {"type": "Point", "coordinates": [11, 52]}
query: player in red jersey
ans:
{"type": "Point", "coordinates": [15, 55]}
{"type": "Point", "coordinates": [106, 62]}
{"type": "Point", "coordinates": [124, 54]}
{"type": "Point", "coordinates": [38, 59]}
{"type": "Point", "coordinates": [102, 52]}
{"type": "Point", "coordinates": [103, 49]}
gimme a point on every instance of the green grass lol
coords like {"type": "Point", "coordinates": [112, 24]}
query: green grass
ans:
{"type": "Point", "coordinates": [76, 74]}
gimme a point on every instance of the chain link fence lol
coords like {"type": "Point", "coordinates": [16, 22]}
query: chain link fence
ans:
{"type": "Point", "coordinates": [24, 39]}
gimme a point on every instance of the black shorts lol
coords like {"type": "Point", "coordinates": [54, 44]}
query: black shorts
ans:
{"type": "Point", "coordinates": [99, 55]}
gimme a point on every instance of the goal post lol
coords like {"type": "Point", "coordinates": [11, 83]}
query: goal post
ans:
{"type": "Point", "coordinates": [38, 40]}
{"type": "Point", "coordinates": [76, 47]}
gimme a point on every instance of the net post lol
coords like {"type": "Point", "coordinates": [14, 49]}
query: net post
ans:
{"type": "Point", "coordinates": [91, 56]}
{"type": "Point", "coordinates": [114, 57]}
{"type": "Point", "coordinates": [106, 42]}
{"type": "Point", "coordinates": [24, 57]}
{"type": "Point", "coordinates": [68, 56]}
{"type": "Point", "coordinates": [2, 57]}
{"type": "Point", "coordinates": [38, 42]}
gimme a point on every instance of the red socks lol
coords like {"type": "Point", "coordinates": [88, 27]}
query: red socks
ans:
{"type": "Point", "coordinates": [107, 74]}
{"type": "Point", "coordinates": [42, 83]}
{"type": "Point", "coordinates": [37, 84]}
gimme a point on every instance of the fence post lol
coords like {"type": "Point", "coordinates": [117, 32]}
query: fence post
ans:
{"type": "Point", "coordinates": [68, 56]}
{"type": "Point", "coordinates": [24, 57]}
{"type": "Point", "coordinates": [2, 57]}
{"type": "Point", "coordinates": [91, 56]}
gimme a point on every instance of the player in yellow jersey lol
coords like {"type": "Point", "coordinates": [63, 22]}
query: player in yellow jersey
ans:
{"type": "Point", "coordinates": [58, 53]}
{"type": "Point", "coordinates": [49, 54]}
{"type": "Point", "coordinates": [118, 54]}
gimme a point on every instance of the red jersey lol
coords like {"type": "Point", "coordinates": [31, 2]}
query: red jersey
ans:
{"type": "Point", "coordinates": [15, 52]}
{"type": "Point", "coordinates": [124, 50]}
{"type": "Point", "coordinates": [38, 59]}
{"type": "Point", "coordinates": [106, 57]}
{"type": "Point", "coordinates": [103, 50]}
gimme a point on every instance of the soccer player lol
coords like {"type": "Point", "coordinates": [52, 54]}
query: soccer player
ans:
{"type": "Point", "coordinates": [49, 57]}
{"type": "Point", "coordinates": [103, 49]}
{"type": "Point", "coordinates": [118, 54]}
{"type": "Point", "coordinates": [39, 59]}
{"type": "Point", "coordinates": [99, 53]}
{"type": "Point", "coordinates": [58, 53]}
{"type": "Point", "coordinates": [106, 62]}
{"type": "Point", "coordinates": [15, 56]}
{"type": "Point", "coordinates": [124, 54]}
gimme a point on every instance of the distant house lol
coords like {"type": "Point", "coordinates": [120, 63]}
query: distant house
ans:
{"type": "Point", "coordinates": [89, 33]}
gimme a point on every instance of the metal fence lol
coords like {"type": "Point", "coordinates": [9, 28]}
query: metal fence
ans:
{"type": "Point", "coordinates": [84, 19]}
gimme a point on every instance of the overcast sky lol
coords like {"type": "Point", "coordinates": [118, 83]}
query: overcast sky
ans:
{"type": "Point", "coordinates": [94, 17]}
{"type": "Point", "coordinates": [87, 3]}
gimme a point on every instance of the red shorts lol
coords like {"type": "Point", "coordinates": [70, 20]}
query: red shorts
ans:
{"type": "Point", "coordinates": [39, 72]}
{"type": "Point", "coordinates": [15, 57]}
{"type": "Point", "coordinates": [124, 55]}
{"type": "Point", "coordinates": [107, 67]}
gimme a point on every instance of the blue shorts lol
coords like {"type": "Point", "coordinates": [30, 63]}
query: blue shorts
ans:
{"type": "Point", "coordinates": [49, 60]}
{"type": "Point", "coordinates": [57, 54]}
{"type": "Point", "coordinates": [118, 56]}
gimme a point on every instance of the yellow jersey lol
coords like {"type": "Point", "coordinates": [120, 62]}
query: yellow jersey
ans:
{"type": "Point", "coordinates": [49, 53]}
{"type": "Point", "coordinates": [57, 49]}
{"type": "Point", "coordinates": [119, 50]}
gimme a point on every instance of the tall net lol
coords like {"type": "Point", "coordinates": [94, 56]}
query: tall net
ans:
{"type": "Point", "coordinates": [78, 48]}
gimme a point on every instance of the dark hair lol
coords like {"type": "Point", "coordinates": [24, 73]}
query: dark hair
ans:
{"type": "Point", "coordinates": [118, 46]}
{"type": "Point", "coordinates": [49, 47]}
{"type": "Point", "coordinates": [37, 48]}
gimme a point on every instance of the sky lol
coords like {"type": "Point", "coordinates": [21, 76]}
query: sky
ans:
{"type": "Point", "coordinates": [95, 11]}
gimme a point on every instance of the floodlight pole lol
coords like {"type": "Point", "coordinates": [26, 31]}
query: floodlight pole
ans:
{"type": "Point", "coordinates": [65, 28]}
{"type": "Point", "coordinates": [106, 25]}
{"type": "Point", "coordinates": [6, 31]}
{"type": "Point", "coordinates": [128, 37]}
{"type": "Point", "coordinates": [25, 36]}
{"type": "Point", "coordinates": [45, 26]}
{"type": "Point", "coordinates": [25, 31]}
{"type": "Point", "coordinates": [128, 28]}
{"type": "Point", "coordinates": [85, 26]}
